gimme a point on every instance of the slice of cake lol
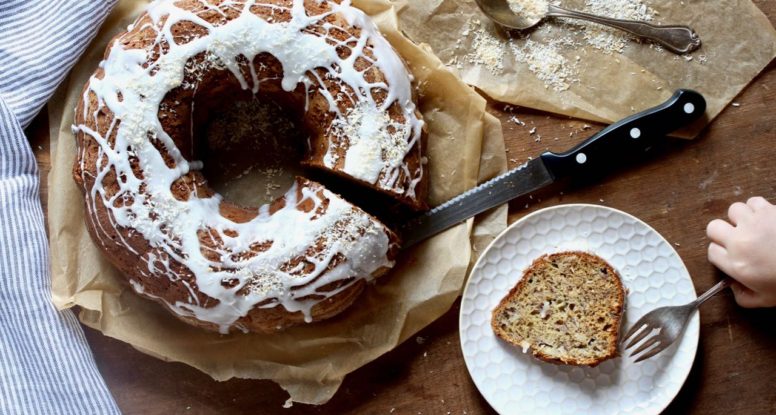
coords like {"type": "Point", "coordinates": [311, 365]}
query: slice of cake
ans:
{"type": "Point", "coordinates": [567, 309]}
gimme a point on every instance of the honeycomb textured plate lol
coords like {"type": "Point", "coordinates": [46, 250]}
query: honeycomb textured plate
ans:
{"type": "Point", "coordinates": [654, 276]}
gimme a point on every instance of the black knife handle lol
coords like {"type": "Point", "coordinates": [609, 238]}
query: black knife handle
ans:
{"type": "Point", "coordinates": [628, 137]}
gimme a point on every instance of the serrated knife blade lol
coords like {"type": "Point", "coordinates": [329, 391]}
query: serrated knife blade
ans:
{"type": "Point", "coordinates": [630, 136]}
{"type": "Point", "coordinates": [516, 182]}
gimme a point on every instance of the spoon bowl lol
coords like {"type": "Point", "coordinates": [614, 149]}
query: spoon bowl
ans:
{"type": "Point", "coordinates": [514, 16]}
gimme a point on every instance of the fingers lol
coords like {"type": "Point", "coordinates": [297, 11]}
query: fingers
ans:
{"type": "Point", "coordinates": [738, 211]}
{"type": "Point", "coordinates": [745, 297]}
{"type": "Point", "coordinates": [741, 262]}
{"type": "Point", "coordinates": [718, 256]}
{"type": "Point", "coordinates": [719, 231]}
{"type": "Point", "coordinates": [756, 203]}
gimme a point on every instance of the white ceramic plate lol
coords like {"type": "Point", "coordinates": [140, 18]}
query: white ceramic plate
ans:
{"type": "Point", "coordinates": [654, 276]}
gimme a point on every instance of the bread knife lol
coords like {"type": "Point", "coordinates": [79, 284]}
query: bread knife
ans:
{"type": "Point", "coordinates": [630, 136]}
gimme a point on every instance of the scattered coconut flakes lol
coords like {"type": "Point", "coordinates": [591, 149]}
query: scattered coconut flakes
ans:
{"type": "Point", "coordinates": [487, 50]}
{"type": "Point", "coordinates": [607, 39]}
{"type": "Point", "coordinates": [547, 63]}
{"type": "Point", "coordinates": [516, 120]}
{"type": "Point", "coordinates": [735, 104]}
{"type": "Point", "coordinates": [545, 55]}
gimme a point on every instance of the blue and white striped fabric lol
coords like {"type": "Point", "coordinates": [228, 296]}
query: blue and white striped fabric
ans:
{"type": "Point", "coordinates": [46, 366]}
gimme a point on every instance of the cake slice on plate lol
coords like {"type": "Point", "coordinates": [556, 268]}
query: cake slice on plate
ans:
{"type": "Point", "coordinates": [566, 309]}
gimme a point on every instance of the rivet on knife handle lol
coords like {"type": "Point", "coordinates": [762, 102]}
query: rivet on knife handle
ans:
{"type": "Point", "coordinates": [630, 136]}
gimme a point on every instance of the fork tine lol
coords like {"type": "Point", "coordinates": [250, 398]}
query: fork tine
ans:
{"type": "Point", "coordinates": [634, 329]}
{"type": "Point", "coordinates": [660, 347]}
{"type": "Point", "coordinates": [640, 336]}
{"type": "Point", "coordinates": [646, 345]}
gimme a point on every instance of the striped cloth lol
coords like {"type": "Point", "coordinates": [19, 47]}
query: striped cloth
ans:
{"type": "Point", "coordinates": [46, 366]}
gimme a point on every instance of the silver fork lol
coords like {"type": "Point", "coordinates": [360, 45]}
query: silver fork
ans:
{"type": "Point", "coordinates": [670, 323]}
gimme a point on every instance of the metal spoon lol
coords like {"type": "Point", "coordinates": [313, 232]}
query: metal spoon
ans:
{"type": "Point", "coordinates": [677, 39]}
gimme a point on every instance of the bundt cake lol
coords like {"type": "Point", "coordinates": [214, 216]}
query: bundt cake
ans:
{"type": "Point", "coordinates": [307, 255]}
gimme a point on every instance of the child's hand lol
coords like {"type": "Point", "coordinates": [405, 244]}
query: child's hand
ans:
{"type": "Point", "coordinates": [745, 249]}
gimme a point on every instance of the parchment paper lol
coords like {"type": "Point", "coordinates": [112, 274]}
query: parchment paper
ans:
{"type": "Point", "coordinates": [310, 362]}
{"type": "Point", "coordinates": [738, 42]}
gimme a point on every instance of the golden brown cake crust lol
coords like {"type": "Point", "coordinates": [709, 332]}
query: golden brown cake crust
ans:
{"type": "Point", "coordinates": [118, 183]}
{"type": "Point", "coordinates": [611, 314]}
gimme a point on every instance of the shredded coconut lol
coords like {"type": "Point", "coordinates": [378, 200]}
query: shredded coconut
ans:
{"type": "Point", "coordinates": [288, 403]}
{"type": "Point", "coordinates": [516, 120]}
{"type": "Point", "coordinates": [486, 50]}
{"type": "Point", "coordinates": [547, 63]}
{"type": "Point", "coordinates": [611, 40]}
{"type": "Point", "coordinates": [552, 51]}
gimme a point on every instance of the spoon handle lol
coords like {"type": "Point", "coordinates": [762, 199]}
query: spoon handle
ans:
{"type": "Point", "coordinates": [677, 39]}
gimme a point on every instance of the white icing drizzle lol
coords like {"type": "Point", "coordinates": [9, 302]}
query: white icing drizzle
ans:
{"type": "Point", "coordinates": [390, 141]}
{"type": "Point", "coordinates": [350, 245]}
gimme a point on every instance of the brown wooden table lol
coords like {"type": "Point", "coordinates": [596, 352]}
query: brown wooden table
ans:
{"type": "Point", "coordinates": [684, 186]}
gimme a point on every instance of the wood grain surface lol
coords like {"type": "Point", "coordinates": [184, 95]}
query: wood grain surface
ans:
{"type": "Point", "coordinates": [684, 186]}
